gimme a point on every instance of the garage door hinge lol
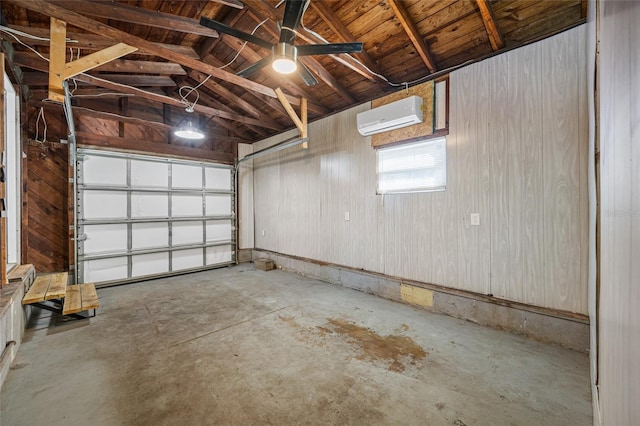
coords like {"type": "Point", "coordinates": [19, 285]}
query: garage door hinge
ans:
{"type": "Point", "coordinates": [81, 237]}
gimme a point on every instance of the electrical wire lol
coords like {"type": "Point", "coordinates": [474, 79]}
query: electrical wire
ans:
{"type": "Point", "coordinates": [183, 97]}
{"type": "Point", "coordinates": [44, 120]}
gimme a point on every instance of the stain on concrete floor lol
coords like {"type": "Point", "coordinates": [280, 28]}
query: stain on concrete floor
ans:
{"type": "Point", "coordinates": [397, 349]}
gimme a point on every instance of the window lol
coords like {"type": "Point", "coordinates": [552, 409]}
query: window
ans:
{"type": "Point", "coordinates": [415, 167]}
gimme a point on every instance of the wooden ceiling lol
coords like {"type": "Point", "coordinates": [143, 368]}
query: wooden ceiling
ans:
{"type": "Point", "coordinates": [405, 42]}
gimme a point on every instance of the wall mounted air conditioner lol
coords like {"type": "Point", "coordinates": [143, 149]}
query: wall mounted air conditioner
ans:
{"type": "Point", "coordinates": [395, 115]}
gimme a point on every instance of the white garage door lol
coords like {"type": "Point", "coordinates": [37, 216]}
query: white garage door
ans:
{"type": "Point", "coordinates": [143, 216]}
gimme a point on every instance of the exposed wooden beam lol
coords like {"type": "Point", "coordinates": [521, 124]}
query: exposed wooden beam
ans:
{"type": "Point", "coordinates": [301, 123]}
{"type": "Point", "coordinates": [141, 146]}
{"type": "Point", "coordinates": [97, 27]}
{"type": "Point", "coordinates": [402, 14]}
{"type": "Point", "coordinates": [491, 25]}
{"type": "Point", "coordinates": [90, 41]}
{"type": "Point", "coordinates": [34, 62]}
{"type": "Point", "coordinates": [40, 78]}
{"type": "Point", "coordinates": [139, 16]}
{"type": "Point", "coordinates": [228, 95]}
{"type": "Point", "coordinates": [57, 58]}
{"type": "Point", "coordinates": [103, 115]}
{"type": "Point", "coordinates": [323, 9]}
{"type": "Point", "coordinates": [96, 59]}
{"type": "Point", "coordinates": [142, 67]}
{"type": "Point", "coordinates": [210, 43]}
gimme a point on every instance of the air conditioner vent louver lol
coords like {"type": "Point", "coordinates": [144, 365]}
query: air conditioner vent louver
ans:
{"type": "Point", "coordinates": [395, 115]}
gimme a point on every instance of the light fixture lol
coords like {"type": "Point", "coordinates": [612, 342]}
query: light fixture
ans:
{"type": "Point", "coordinates": [189, 132]}
{"type": "Point", "coordinates": [284, 58]}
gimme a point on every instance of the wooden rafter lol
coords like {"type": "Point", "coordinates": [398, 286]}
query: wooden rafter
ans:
{"type": "Point", "coordinates": [40, 78]}
{"type": "Point", "coordinates": [491, 25]}
{"type": "Point", "coordinates": [402, 14]}
{"type": "Point", "coordinates": [343, 34]}
{"type": "Point", "coordinates": [142, 67]}
{"type": "Point", "coordinates": [34, 62]}
{"type": "Point", "coordinates": [139, 16]}
{"type": "Point", "coordinates": [97, 27]}
{"type": "Point", "coordinates": [87, 41]}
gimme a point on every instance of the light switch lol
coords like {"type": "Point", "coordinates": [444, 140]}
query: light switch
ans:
{"type": "Point", "coordinates": [475, 219]}
{"type": "Point", "coordinates": [263, 233]}
{"type": "Point", "coordinates": [346, 216]}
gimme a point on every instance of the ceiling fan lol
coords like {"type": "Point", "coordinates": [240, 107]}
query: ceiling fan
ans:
{"type": "Point", "coordinates": [284, 54]}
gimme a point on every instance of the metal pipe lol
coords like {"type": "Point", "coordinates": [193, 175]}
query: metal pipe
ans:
{"type": "Point", "coordinates": [72, 160]}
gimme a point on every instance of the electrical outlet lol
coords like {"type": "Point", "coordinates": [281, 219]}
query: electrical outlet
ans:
{"type": "Point", "coordinates": [475, 219]}
{"type": "Point", "coordinates": [263, 233]}
{"type": "Point", "coordinates": [346, 216]}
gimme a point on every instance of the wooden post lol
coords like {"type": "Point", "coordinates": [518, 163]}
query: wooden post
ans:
{"type": "Point", "coordinates": [3, 189]}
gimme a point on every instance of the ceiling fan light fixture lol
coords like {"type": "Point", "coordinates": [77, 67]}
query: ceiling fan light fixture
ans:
{"type": "Point", "coordinates": [284, 58]}
{"type": "Point", "coordinates": [189, 132]}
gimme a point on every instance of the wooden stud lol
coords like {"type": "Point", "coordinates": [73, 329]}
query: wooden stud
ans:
{"type": "Point", "coordinates": [304, 133]}
{"type": "Point", "coordinates": [96, 59]}
{"type": "Point", "coordinates": [301, 124]}
{"type": "Point", "coordinates": [58, 34]}
{"type": "Point", "coordinates": [491, 25]}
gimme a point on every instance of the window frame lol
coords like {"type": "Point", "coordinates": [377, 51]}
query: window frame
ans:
{"type": "Point", "coordinates": [416, 141]}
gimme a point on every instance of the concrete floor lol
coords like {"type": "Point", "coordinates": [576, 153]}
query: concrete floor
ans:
{"type": "Point", "coordinates": [237, 346]}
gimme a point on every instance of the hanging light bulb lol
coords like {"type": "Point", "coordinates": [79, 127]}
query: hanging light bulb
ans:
{"type": "Point", "coordinates": [189, 131]}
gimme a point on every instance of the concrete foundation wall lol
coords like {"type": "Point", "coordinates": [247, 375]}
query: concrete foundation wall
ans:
{"type": "Point", "coordinates": [12, 323]}
{"type": "Point", "coordinates": [541, 324]}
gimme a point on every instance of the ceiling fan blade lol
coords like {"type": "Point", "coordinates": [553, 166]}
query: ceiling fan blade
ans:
{"type": "Point", "coordinates": [292, 15]}
{"type": "Point", "coordinates": [328, 49]}
{"type": "Point", "coordinates": [306, 75]}
{"type": "Point", "coordinates": [219, 26]}
{"type": "Point", "coordinates": [255, 67]}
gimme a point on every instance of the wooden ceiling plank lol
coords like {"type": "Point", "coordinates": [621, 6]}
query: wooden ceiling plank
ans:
{"type": "Point", "coordinates": [491, 25]}
{"type": "Point", "coordinates": [139, 16]}
{"type": "Point", "coordinates": [323, 10]}
{"type": "Point", "coordinates": [57, 58]}
{"type": "Point", "coordinates": [96, 59]}
{"type": "Point", "coordinates": [97, 27]}
{"type": "Point", "coordinates": [402, 14]}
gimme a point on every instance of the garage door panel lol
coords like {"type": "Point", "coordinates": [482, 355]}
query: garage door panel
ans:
{"type": "Point", "coordinates": [104, 205]}
{"type": "Point", "coordinates": [149, 235]}
{"type": "Point", "coordinates": [149, 174]}
{"type": "Point", "coordinates": [107, 238]}
{"type": "Point", "coordinates": [145, 216]}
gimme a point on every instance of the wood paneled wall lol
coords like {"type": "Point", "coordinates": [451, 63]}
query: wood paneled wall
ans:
{"type": "Point", "coordinates": [46, 184]}
{"type": "Point", "coordinates": [516, 154]}
{"type": "Point", "coordinates": [619, 316]}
